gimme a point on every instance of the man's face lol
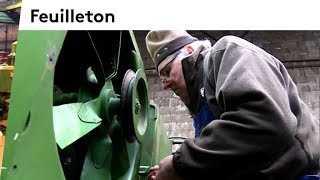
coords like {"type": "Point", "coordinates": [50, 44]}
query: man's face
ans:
{"type": "Point", "coordinates": [174, 79]}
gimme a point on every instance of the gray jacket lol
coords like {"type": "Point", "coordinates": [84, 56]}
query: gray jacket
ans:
{"type": "Point", "coordinates": [263, 130]}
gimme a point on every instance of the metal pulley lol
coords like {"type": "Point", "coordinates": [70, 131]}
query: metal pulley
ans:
{"type": "Point", "coordinates": [134, 105]}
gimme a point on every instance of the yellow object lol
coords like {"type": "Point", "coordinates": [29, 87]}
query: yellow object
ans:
{"type": "Point", "coordinates": [13, 6]}
{"type": "Point", "coordinates": [13, 52]}
{"type": "Point", "coordinates": [2, 140]}
{"type": "Point", "coordinates": [14, 47]}
{"type": "Point", "coordinates": [6, 68]}
{"type": "Point", "coordinates": [6, 74]}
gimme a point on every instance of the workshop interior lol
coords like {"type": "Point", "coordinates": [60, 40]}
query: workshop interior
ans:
{"type": "Point", "coordinates": [79, 105]}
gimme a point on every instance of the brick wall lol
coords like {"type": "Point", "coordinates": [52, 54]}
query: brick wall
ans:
{"type": "Point", "coordinates": [8, 34]}
{"type": "Point", "coordinates": [298, 50]}
{"type": "Point", "coordinates": [173, 112]}
{"type": "Point", "coordinates": [308, 83]}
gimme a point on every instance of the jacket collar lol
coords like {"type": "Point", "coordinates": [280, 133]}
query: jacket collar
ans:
{"type": "Point", "coordinates": [192, 67]}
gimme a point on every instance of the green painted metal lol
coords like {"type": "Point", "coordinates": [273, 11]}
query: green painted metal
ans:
{"type": "Point", "coordinates": [71, 124]}
{"type": "Point", "coordinates": [30, 149]}
{"type": "Point", "coordinates": [67, 123]}
{"type": "Point", "coordinates": [140, 106]}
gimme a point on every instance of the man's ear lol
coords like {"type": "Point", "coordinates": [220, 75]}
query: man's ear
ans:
{"type": "Point", "coordinates": [189, 49]}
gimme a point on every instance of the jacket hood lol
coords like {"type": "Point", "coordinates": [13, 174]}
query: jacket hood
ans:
{"type": "Point", "coordinates": [192, 67]}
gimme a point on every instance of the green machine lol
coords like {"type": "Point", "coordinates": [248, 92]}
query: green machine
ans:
{"type": "Point", "coordinates": [80, 109]}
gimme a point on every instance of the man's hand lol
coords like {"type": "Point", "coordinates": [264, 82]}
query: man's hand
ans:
{"type": "Point", "coordinates": [165, 171]}
{"type": "Point", "coordinates": [153, 172]}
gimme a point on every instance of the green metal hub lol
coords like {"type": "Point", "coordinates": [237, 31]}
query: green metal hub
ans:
{"type": "Point", "coordinates": [141, 108]}
{"type": "Point", "coordinates": [110, 106]}
{"type": "Point", "coordinates": [135, 104]}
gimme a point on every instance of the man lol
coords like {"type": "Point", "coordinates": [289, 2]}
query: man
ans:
{"type": "Point", "coordinates": [262, 130]}
{"type": "Point", "coordinates": [193, 84]}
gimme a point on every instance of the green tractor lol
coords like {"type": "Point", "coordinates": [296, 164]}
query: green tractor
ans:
{"type": "Point", "coordinates": [80, 109]}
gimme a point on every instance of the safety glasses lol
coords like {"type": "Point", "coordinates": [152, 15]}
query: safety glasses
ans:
{"type": "Point", "coordinates": [165, 71]}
